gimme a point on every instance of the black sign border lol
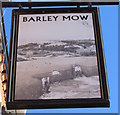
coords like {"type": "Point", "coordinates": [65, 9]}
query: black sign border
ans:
{"type": "Point", "coordinates": [104, 101]}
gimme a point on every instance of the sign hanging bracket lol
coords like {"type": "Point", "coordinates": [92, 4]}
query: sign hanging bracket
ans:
{"type": "Point", "coordinates": [30, 7]}
{"type": "Point", "coordinates": [78, 6]}
{"type": "Point", "coordinates": [20, 7]}
{"type": "Point", "coordinates": [89, 4]}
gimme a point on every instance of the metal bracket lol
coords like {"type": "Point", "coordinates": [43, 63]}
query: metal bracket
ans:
{"type": "Point", "coordinates": [29, 2]}
{"type": "Point", "coordinates": [89, 4]}
{"type": "Point", "coordinates": [20, 7]}
{"type": "Point", "coordinates": [30, 7]}
{"type": "Point", "coordinates": [78, 6]}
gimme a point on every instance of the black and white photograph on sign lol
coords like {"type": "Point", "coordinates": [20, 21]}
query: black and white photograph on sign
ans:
{"type": "Point", "coordinates": [56, 57]}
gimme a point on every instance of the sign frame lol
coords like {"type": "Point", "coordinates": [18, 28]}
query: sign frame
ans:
{"type": "Point", "coordinates": [104, 101]}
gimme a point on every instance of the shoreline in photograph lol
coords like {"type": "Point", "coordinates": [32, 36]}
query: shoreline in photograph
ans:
{"type": "Point", "coordinates": [74, 89]}
{"type": "Point", "coordinates": [30, 73]}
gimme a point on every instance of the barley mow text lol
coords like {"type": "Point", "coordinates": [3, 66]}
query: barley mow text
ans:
{"type": "Point", "coordinates": [55, 18]}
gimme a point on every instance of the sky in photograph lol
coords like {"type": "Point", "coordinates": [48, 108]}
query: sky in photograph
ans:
{"type": "Point", "coordinates": [37, 32]}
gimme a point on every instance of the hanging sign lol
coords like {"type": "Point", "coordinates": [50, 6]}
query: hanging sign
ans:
{"type": "Point", "coordinates": [56, 60]}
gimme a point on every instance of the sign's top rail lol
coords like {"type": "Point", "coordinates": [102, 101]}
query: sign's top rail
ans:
{"type": "Point", "coordinates": [57, 3]}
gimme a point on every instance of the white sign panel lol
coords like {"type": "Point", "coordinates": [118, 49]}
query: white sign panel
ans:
{"type": "Point", "coordinates": [56, 57]}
